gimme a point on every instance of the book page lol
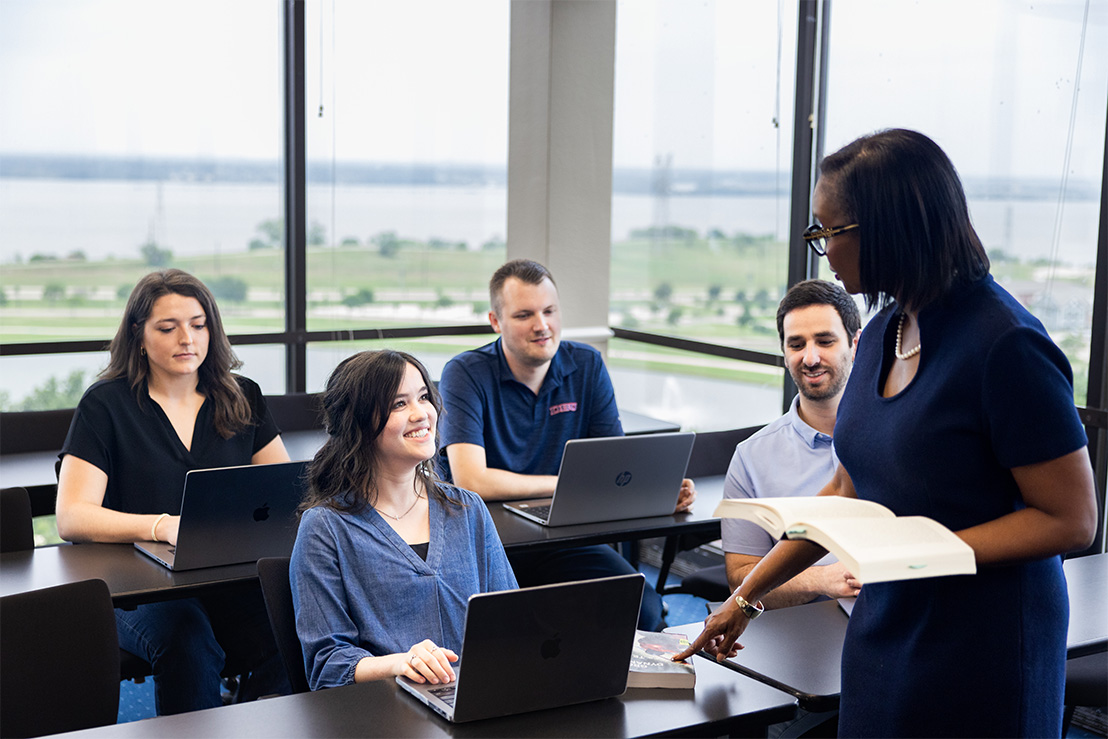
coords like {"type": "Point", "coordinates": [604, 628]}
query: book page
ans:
{"type": "Point", "coordinates": [901, 548]}
{"type": "Point", "coordinates": [775, 514]}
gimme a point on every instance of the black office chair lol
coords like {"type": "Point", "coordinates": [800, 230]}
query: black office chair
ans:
{"type": "Point", "coordinates": [59, 660]}
{"type": "Point", "coordinates": [711, 454]}
{"type": "Point", "coordinates": [17, 532]}
{"type": "Point", "coordinates": [17, 535]}
{"type": "Point", "coordinates": [273, 574]}
{"type": "Point", "coordinates": [709, 583]}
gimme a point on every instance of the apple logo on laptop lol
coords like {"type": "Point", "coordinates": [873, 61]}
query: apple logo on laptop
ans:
{"type": "Point", "coordinates": [551, 648]}
{"type": "Point", "coordinates": [623, 478]}
{"type": "Point", "coordinates": [261, 514]}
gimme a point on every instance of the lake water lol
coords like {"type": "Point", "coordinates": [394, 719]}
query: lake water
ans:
{"type": "Point", "coordinates": [114, 218]}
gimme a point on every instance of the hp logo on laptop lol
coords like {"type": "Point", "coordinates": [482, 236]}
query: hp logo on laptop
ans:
{"type": "Point", "coordinates": [623, 478]}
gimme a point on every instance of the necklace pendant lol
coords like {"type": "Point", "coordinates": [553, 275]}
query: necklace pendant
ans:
{"type": "Point", "coordinates": [393, 516]}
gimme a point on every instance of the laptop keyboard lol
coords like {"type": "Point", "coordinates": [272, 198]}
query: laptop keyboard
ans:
{"type": "Point", "coordinates": [540, 511]}
{"type": "Point", "coordinates": [445, 693]}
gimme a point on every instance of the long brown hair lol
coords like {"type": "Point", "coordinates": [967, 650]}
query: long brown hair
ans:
{"type": "Point", "coordinates": [356, 406]}
{"type": "Point", "coordinates": [230, 409]}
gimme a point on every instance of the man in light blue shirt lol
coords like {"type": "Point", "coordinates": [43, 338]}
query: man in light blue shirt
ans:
{"type": "Point", "coordinates": [818, 324]}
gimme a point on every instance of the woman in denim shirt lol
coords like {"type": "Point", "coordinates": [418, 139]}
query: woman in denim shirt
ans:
{"type": "Point", "coordinates": [387, 554]}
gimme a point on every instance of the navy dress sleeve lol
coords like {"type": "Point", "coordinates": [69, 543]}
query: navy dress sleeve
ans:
{"type": "Point", "coordinates": [1028, 392]}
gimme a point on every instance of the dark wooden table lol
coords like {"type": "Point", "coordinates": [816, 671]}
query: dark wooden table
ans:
{"type": "Point", "coordinates": [518, 533]}
{"type": "Point", "coordinates": [721, 704]}
{"type": "Point", "coordinates": [799, 650]}
{"type": "Point", "coordinates": [134, 579]}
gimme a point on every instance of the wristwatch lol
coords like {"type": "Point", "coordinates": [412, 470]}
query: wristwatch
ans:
{"type": "Point", "coordinates": [750, 610]}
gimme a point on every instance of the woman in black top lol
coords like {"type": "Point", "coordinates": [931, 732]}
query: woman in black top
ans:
{"type": "Point", "coordinates": [167, 404]}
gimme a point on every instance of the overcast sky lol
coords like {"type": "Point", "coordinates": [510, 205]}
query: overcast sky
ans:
{"type": "Point", "coordinates": [708, 82]}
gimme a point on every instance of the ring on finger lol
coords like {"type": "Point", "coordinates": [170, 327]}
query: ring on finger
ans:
{"type": "Point", "coordinates": [411, 659]}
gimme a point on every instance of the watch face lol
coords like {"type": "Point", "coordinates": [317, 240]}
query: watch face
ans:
{"type": "Point", "coordinates": [750, 610]}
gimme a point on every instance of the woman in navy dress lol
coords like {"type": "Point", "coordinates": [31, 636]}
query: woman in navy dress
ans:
{"type": "Point", "coordinates": [960, 408]}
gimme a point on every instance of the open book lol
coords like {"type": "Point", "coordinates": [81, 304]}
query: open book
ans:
{"type": "Point", "coordinates": [870, 540]}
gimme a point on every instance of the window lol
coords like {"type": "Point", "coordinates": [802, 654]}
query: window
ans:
{"type": "Point", "coordinates": [407, 141]}
{"type": "Point", "coordinates": [1016, 96]}
{"type": "Point", "coordinates": [700, 201]}
{"type": "Point", "coordinates": [433, 352]}
{"type": "Point", "coordinates": [125, 151]}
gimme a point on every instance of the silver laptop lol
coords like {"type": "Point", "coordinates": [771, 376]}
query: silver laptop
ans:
{"type": "Point", "coordinates": [612, 478]}
{"type": "Point", "coordinates": [234, 514]}
{"type": "Point", "coordinates": [542, 647]}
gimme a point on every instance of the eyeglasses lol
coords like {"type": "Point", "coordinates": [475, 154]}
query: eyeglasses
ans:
{"type": "Point", "coordinates": [817, 236]}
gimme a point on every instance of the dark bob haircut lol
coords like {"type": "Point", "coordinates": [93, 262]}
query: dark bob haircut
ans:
{"type": "Point", "coordinates": [356, 406]}
{"type": "Point", "coordinates": [917, 244]}
{"type": "Point", "coordinates": [819, 292]}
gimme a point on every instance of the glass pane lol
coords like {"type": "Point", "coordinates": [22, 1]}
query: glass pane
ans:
{"type": "Point", "coordinates": [264, 364]}
{"type": "Point", "coordinates": [126, 150]}
{"type": "Point", "coordinates": [702, 149]}
{"type": "Point", "coordinates": [434, 352]}
{"type": "Point", "coordinates": [44, 382]}
{"type": "Point", "coordinates": [407, 124]}
{"type": "Point", "coordinates": [701, 393]}
{"type": "Point", "coordinates": [1017, 99]}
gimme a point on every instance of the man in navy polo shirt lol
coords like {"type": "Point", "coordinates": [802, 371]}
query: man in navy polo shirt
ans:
{"type": "Point", "coordinates": [513, 404]}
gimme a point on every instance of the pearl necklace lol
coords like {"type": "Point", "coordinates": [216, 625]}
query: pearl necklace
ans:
{"type": "Point", "coordinates": [900, 330]}
{"type": "Point", "coordinates": [405, 513]}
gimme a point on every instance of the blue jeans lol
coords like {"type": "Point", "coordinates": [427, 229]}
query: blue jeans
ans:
{"type": "Point", "coordinates": [188, 641]}
{"type": "Point", "coordinates": [584, 563]}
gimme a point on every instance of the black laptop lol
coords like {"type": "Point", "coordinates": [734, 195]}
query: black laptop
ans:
{"type": "Point", "coordinates": [231, 515]}
{"type": "Point", "coordinates": [542, 647]}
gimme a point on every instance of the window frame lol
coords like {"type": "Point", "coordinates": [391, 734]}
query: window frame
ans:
{"type": "Point", "coordinates": [536, 227]}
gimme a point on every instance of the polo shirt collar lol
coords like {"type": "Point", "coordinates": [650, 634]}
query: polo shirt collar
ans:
{"type": "Point", "coordinates": [561, 366]}
{"type": "Point", "coordinates": [810, 436]}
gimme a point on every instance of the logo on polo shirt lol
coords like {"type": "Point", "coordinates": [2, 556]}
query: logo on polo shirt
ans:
{"type": "Point", "coordinates": [562, 408]}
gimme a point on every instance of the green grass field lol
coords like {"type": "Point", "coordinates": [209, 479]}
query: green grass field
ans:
{"type": "Point", "coordinates": [723, 292]}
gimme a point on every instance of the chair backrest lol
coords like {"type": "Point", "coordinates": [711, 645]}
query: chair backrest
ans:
{"type": "Point", "coordinates": [712, 451]}
{"type": "Point", "coordinates": [59, 660]}
{"type": "Point", "coordinates": [17, 533]}
{"type": "Point", "coordinates": [273, 574]}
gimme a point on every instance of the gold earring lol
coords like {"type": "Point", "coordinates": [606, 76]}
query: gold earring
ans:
{"type": "Point", "coordinates": [142, 350]}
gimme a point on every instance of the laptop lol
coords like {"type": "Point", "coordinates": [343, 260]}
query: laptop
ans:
{"type": "Point", "coordinates": [542, 647]}
{"type": "Point", "coordinates": [234, 514]}
{"type": "Point", "coordinates": [613, 477]}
